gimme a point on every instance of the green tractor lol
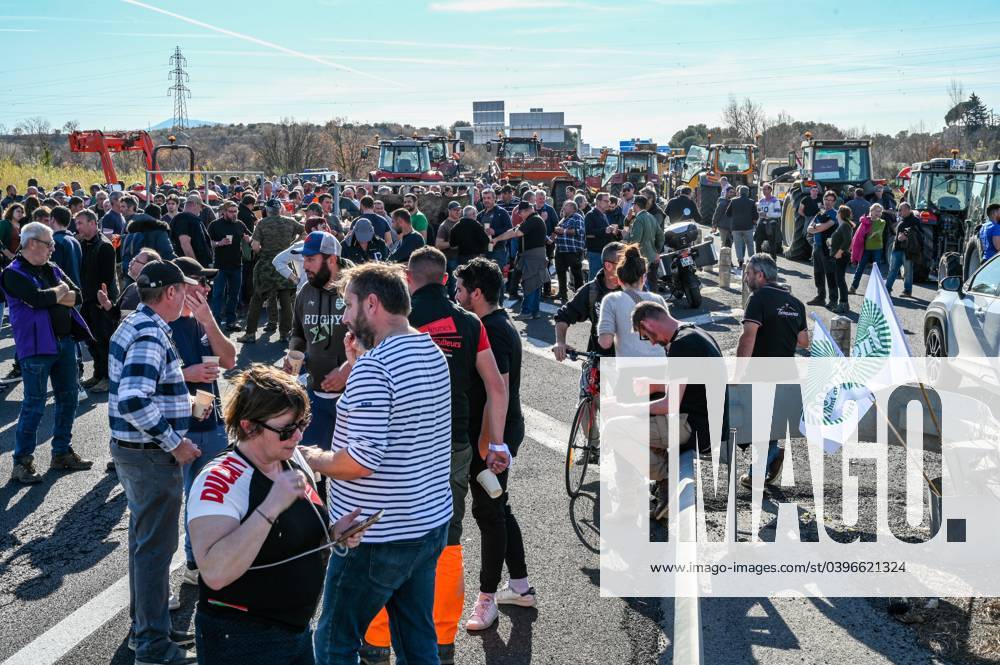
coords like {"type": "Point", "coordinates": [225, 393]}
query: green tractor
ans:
{"type": "Point", "coordinates": [838, 165]}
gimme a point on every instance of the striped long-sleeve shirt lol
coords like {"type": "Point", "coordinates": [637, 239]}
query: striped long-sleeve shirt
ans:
{"type": "Point", "coordinates": [148, 401]}
{"type": "Point", "coordinates": [395, 419]}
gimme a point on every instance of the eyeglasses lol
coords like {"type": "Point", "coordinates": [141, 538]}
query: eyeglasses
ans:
{"type": "Point", "coordinates": [48, 243]}
{"type": "Point", "coordinates": [286, 432]}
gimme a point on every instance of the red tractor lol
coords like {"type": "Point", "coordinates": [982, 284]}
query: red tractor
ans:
{"type": "Point", "coordinates": [524, 159]}
{"type": "Point", "coordinates": [446, 154]}
{"type": "Point", "coordinates": [402, 160]}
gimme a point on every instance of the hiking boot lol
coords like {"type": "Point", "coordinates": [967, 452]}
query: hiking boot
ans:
{"type": "Point", "coordinates": [818, 300]}
{"type": "Point", "coordinates": [507, 596]}
{"type": "Point", "coordinates": [13, 376]}
{"type": "Point", "coordinates": [24, 471]}
{"type": "Point", "coordinates": [484, 614]}
{"type": "Point", "coordinates": [842, 308]}
{"type": "Point", "coordinates": [373, 655]}
{"type": "Point", "coordinates": [907, 294]}
{"type": "Point", "coordinates": [178, 637]}
{"type": "Point", "coordinates": [774, 469]}
{"type": "Point", "coordinates": [86, 385]}
{"type": "Point", "coordinates": [248, 338]}
{"type": "Point", "coordinates": [100, 387]}
{"type": "Point", "coordinates": [832, 305]}
{"type": "Point", "coordinates": [446, 654]}
{"type": "Point", "coordinates": [70, 461]}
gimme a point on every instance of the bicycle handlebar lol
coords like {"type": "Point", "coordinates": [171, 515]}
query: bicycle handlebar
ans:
{"type": "Point", "coordinates": [573, 354]}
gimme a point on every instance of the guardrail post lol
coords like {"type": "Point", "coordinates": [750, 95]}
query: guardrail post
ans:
{"type": "Point", "coordinates": [840, 331]}
{"type": "Point", "coordinates": [725, 267]}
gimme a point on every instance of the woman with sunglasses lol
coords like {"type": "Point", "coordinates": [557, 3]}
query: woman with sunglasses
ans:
{"type": "Point", "coordinates": [256, 522]}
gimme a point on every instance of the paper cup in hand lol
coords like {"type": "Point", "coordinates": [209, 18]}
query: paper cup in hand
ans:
{"type": "Point", "coordinates": [202, 403]}
{"type": "Point", "coordinates": [489, 482]}
{"type": "Point", "coordinates": [210, 360]}
{"type": "Point", "coordinates": [295, 359]}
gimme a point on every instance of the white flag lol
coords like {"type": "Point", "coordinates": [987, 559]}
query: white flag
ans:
{"type": "Point", "coordinates": [832, 403]}
{"type": "Point", "coordinates": [880, 337]}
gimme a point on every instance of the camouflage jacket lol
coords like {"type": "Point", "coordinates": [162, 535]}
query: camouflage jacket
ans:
{"type": "Point", "coordinates": [275, 234]}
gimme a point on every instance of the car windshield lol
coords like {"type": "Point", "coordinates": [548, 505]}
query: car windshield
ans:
{"type": "Point", "coordinates": [638, 163]}
{"type": "Point", "coordinates": [732, 160]}
{"type": "Point", "coordinates": [948, 192]}
{"type": "Point", "coordinates": [411, 159]}
{"type": "Point", "coordinates": [841, 165]}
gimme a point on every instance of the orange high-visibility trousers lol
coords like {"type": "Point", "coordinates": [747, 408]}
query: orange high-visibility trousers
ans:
{"type": "Point", "coordinates": [449, 601]}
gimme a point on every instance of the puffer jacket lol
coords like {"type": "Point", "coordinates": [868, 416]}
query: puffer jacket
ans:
{"type": "Point", "coordinates": [858, 242]}
{"type": "Point", "coordinates": [146, 231]}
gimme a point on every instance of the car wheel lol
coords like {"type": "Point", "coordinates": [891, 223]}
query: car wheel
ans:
{"type": "Point", "coordinates": [936, 350]}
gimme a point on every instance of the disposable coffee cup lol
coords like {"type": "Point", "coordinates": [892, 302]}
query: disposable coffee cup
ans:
{"type": "Point", "coordinates": [202, 403]}
{"type": "Point", "coordinates": [489, 482]}
{"type": "Point", "coordinates": [295, 359]}
{"type": "Point", "coordinates": [210, 360]}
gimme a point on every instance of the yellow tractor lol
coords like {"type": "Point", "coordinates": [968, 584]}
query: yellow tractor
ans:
{"type": "Point", "coordinates": [705, 166]}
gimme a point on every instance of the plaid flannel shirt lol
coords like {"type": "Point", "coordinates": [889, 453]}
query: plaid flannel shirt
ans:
{"type": "Point", "coordinates": [148, 401]}
{"type": "Point", "coordinates": [575, 243]}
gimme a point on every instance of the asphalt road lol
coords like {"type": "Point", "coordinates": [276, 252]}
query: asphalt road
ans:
{"type": "Point", "coordinates": [63, 545]}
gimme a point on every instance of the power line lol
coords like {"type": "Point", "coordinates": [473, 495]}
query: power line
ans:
{"type": "Point", "coordinates": [179, 90]}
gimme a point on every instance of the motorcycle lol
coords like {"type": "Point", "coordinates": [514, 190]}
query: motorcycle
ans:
{"type": "Point", "coordinates": [678, 273]}
{"type": "Point", "coordinates": [767, 235]}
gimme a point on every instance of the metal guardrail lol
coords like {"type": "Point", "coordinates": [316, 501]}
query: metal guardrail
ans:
{"type": "Point", "coordinates": [336, 185]}
{"type": "Point", "coordinates": [205, 176]}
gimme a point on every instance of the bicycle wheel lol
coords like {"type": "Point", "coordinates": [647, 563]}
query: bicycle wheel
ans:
{"type": "Point", "coordinates": [578, 451]}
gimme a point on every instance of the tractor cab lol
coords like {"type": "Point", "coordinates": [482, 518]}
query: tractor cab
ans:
{"type": "Point", "coordinates": [402, 160]}
{"type": "Point", "coordinates": [445, 153]}
{"type": "Point", "coordinates": [639, 167]}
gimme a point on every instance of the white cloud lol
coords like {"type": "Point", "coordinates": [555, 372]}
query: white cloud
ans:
{"type": "Point", "coordinates": [479, 6]}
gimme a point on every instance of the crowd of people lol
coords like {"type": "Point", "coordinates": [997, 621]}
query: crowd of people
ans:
{"type": "Point", "coordinates": [297, 486]}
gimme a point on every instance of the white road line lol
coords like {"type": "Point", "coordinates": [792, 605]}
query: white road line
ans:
{"type": "Point", "coordinates": [548, 308]}
{"type": "Point", "coordinates": [544, 429]}
{"type": "Point", "coordinates": [61, 638]}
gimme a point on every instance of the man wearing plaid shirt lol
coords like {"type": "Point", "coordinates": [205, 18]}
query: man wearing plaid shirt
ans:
{"type": "Point", "coordinates": [149, 409]}
{"type": "Point", "coordinates": [570, 242]}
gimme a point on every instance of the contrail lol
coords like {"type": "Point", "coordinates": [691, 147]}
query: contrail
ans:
{"type": "Point", "coordinates": [261, 42]}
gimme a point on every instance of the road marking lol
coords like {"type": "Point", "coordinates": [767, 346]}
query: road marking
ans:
{"type": "Point", "coordinates": [544, 429]}
{"type": "Point", "coordinates": [61, 638]}
{"type": "Point", "coordinates": [548, 308]}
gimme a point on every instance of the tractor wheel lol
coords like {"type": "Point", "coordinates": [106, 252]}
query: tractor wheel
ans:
{"type": "Point", "coordinates": [923, 268]}
{"type": "Point", "coordinates": [709, 199]}
{"type": "Point", "coordinates": [973, 257]}
{"type": "Point", "coordinates": [793, 228]}
{"type": "Point", "coordinates": [950, 266]}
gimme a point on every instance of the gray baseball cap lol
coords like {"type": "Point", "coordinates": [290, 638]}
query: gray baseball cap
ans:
{"type": "Point", "coordinates": [363, 230]}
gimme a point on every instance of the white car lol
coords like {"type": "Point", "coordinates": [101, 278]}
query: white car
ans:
{"type": "Point", "coordinates": [964, 319]}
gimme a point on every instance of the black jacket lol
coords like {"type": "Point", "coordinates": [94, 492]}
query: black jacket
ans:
{"type": "Point", "coordinates": [377, 251]}
{"type": "Point", "coordinates": [743, 211]}
{"type": "Point", "coordinates": [586, 306]}
{"type": "Point", "coordinates": [97, 268]}
{"type": "Point", "coordinates": [676, 207]}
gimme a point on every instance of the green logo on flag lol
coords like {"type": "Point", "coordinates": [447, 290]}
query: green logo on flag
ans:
{"type": "Point", "coordinates": [874, 339]}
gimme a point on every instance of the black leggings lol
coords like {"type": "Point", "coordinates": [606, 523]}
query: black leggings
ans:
{"type": "Point", "coordinates": [840, 274]}
{"type": "Point", "coordinates": [501, 534]}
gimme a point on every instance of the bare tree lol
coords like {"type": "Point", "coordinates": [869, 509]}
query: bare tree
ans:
{"type": "Point", "coordinates": [744, 119]}
{"type": "Point", "coordinates": [36, 130]}
{"type": "Point", "coordinates": [71, 126]}
{"type": "Point", "coordinates": [289, 146]}
{"type": "Point", "coordinates": [346, 141]}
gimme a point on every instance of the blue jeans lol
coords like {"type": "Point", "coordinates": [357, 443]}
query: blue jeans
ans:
{"type": "Point", "coordinates": [324, 419]}
{"type": "Point", "coordinates": [397, 575]}
{"type": "Point", "coordinates": [772, 454]}
{"type": "Point", "coordinates": [594, 263]}
{"type": "Point", "coordinates": [227, 287]}
{"type": "Point", "coordinates": [212, 443]}
{"type": "Point", "coordinates": [153, 489]}
{"type": "Point", "coordinates": [869, 256]}
{"type": "Point", "coordinates": [36, 371]}
{"type": "Point", "coordinates": [898, 260]}
{"type": "Point", "coordinates": [743, 241]}
{"type": "Point", "coordinates": [532, 302]}
{"type": "Point", "coordinates": [236, 640]}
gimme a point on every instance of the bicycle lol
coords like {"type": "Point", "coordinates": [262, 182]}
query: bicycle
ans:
{"type": "Point", "coordinates": [584, 434]}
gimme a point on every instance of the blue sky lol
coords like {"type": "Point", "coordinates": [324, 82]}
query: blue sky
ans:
{"type": "Point", "coordinates": [638, 68]}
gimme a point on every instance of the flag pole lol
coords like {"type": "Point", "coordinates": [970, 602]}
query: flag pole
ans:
{"type": "Point", "coordinates": [930, 484]}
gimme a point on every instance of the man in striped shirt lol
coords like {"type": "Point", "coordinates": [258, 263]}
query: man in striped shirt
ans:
{"type": "Point", "coordinates": [392, 451]}
{"type": "Point", "coordinates": [149, 409]}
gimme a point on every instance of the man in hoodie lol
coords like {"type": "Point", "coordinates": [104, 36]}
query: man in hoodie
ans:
{"type": "Point", "coordinates": [742, 211]}
{"type": "Point", "coordinates": [318, 331]}
{"type": "Point", "coordinates": [144, 229]}
{"type": "Point", "coordinates": [361, 246]}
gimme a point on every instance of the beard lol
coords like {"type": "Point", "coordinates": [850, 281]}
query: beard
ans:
{"type": "Point", "coordinates": [363, 330]}
{"type": "Point", "coordinates": [321, 278]}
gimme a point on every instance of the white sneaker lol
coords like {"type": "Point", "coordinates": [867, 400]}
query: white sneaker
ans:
{"type": "Point", "coordinates": [507, 596]}
{"type": "Point", "coordinates": [190, 577]}
{"type": "Point", "coordinates": [484, 614]}
{"type": "Point", "coordinates": [174, 603]}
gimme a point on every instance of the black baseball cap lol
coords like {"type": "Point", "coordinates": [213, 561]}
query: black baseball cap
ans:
{"type": "Point", "coordinates": [191, 268]}
{"type": "Point", "coordinates": [628, 185]}
{"type": "Point", "coordinates": [453, 205]}
{"type": "Point", "coordinates": [157, 274]}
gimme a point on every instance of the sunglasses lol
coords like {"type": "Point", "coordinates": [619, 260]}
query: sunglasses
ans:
{"type": "Point", "coordinates": [286, 432]}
